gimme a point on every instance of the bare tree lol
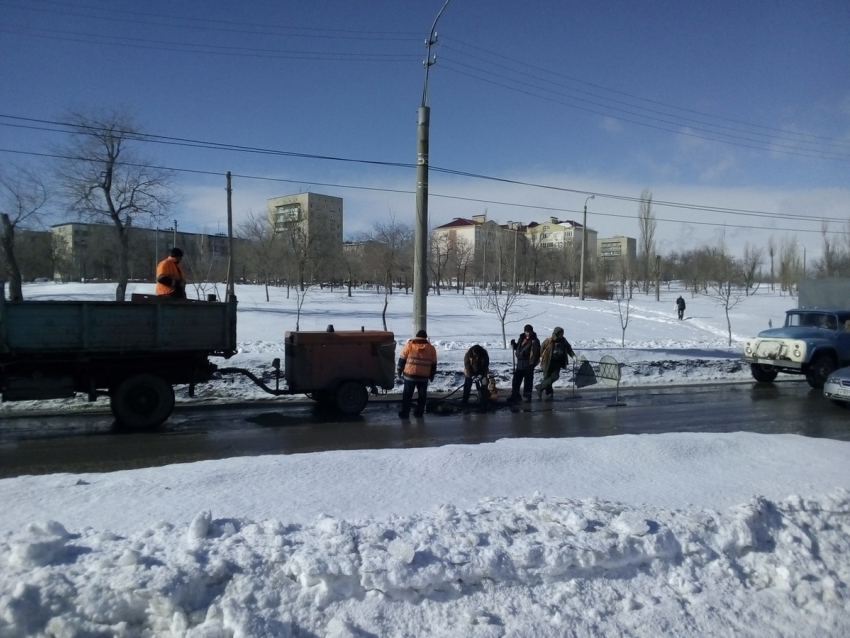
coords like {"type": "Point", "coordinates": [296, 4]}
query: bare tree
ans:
{"type": "Point", "coordinates": [646, 224]}
{"type": "Point", "coordinates": [463, 254]}
{"type": "Point", "coordinates": [105, 180]}
{"type": "Point", "coordinates": [828, 264]}
{"type": "Point", "coordinates": [771, 253]}
{"type": "Point", "coordinates": [491, 301]}
{"type": "Point", "coordinates": [751, 266]}
{"type": "Point", "coordinates": [439, 255]}
{"type": "Point", "coordinates": [387, 246]}
{"type": "Point", "coordinates": [789, 266]}
{"type": "Point", "coordinates": [725, 288]}
{"type": "Point", "coordinates": [266, 257]}
{"type": "Point", "coordinates": [23, 197]}
{"type": "Point", "coordinates": [623, 312]}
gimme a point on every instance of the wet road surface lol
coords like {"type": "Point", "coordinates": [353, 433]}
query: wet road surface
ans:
{"type": "Point", "coordinates": [91, 442]}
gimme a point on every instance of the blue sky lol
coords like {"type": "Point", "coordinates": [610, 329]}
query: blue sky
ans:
{"type": "Point", "coordinates": [730, 105]}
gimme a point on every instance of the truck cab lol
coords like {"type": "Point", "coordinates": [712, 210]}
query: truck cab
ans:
{"type": "Point", "coordinates": [813, 342]}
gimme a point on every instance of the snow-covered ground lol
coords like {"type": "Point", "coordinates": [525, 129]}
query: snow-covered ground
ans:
{"type": "Point", "coordinates": [674, 534]}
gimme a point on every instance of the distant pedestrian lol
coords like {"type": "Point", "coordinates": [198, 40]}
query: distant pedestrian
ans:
{"type": "Point", "coordinates": [417, 365]}
{"type": "Point", "coordinates": [555, 351]}
{"type": "Point", "coordinates": [476, 366]}
{"type": "Point", "coordinates": [170, 278]}
{"type": "Point", "coordinates": [527, 349]}
{"type": "Point", "coordinates": [680, 306]}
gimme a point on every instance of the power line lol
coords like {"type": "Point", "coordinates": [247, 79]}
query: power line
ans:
{"type": "Point", "coordinates": [182, 47]}
{"type": "Point", "coordinates": [466, 199]}
{"type": "Point", "coordinates": [823, 154]}
{"type": "Point", "coordinates": [161, 139]}
{"type": "Point", "coordinates": [632, 96]}
{"type": "Point", "coordinates": [221, 25]}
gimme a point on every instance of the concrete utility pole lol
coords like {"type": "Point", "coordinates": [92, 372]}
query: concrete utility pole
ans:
{"type": "Point", "coordinates": [174, 242]}
{"type": "Point", "coordinates": [230, 291]}
{"type": "Point", "coordinates": [420, 234]}
{"type": "Point", "coordinates": [583, 243]}
{"type": "Point", "coordinates": [657, 277]}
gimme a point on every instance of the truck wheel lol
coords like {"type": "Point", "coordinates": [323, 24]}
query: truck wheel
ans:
{"type": "Point", "coordinates": [351, 397]}
{"type": "Point", "coordinates": [819, 370]}
{"type": "Point", "coordinates": [142, 401]}
{"type": "Point", "coordinates": [763, 374]}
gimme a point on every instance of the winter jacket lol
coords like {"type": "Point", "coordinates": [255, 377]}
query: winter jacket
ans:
{"type": "Point", "coordinates": [476, 362]}
{"type": "Point", "coordinates": [418, 360]}
{"type": "Point", "coordinates": [680, 303]}
{"type": "Point", "coordinates": [170, 279]}
{"type": "Point", "coordinates": [548, 347]}
{"type": "Point", "coordinates": [527, 351]}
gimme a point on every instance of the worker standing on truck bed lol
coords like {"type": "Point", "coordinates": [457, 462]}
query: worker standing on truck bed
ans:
{"type": "Point", "coordinates": [170, 279]}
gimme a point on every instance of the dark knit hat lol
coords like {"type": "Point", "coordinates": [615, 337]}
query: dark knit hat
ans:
{"type": "Point", "coordinates": [528, 328]}
{"type": "Point", "coordinates": [175, 252]}
{"type": "Point", "coordinates": [422, 334]}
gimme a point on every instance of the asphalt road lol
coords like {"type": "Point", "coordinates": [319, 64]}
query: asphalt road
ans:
{"type": "Point", "coordinates": [91, 442]}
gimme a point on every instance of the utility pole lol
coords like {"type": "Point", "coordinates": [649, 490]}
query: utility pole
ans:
{"type": "Point", "coordinates": [174, 241]}
{"type": "Point", "coordinates": [230, 291]}
{"type": "Point", "coordinates": [420, 235]}
{"type": "Point", "coordinates": [657, 277]}
{"type": "Point", "coordinates": [583, 244]}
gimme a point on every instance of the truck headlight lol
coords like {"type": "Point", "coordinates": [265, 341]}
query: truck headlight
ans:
{"type": "Point", "coordinates": [748, 349]}
{"type": "Point", "coordinates": [797, 353]}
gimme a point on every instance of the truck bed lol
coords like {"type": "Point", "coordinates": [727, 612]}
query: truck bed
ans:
{"type": "Point", "coordinates": [99, 327]}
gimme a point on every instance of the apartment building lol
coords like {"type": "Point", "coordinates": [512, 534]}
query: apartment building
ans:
{"type": "Point", "coordinates": [560, 234]}
{"type": "Point", "coordinates": [317, 217]}
{"type": "Point", "coordinates": [84, 251]}
{"type": "Point", "coordinates": [617, 247]}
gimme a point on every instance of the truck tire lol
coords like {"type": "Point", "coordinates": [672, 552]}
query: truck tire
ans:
{"type": "Point", "coordinates": [142, 402]}
{"type": "Point", "coordinates": [819, 370]}
{"type": "Point", "coordinates": [763, 374]}
{"type": "Point", "coordinates": [351, 397]}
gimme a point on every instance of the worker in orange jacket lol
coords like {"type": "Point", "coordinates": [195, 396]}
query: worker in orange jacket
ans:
{"type": "Point", "coordinates": [417, 365]}
{"type": "Point", "coordinates": [170, 279]}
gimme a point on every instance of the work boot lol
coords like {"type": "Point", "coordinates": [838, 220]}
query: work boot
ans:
{"type": "Point", "coordinates": [418, 415]}
{"type": "Point", "coordinates": [539, 392]}
{"type": "Point", "coordinates": [549, 397]}
{"type": "Point", "coordinates": [403, 415]}
{"type": "Point", "coordinates": [527, 398]}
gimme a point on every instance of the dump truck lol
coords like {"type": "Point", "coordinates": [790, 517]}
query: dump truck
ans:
{"type": "Point", "coordinates": [135, 351]}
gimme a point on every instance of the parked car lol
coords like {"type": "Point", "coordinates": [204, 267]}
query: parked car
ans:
{"type": "Point", "coordinates": [814, 342]}
{"type": "Point", "coordinates": [837, 386]}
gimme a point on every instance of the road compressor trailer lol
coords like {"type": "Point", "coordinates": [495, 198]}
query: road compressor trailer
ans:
{"type": "Point", "coordinates": [134, 352]}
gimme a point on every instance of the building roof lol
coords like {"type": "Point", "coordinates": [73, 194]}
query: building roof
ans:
{"type": "Point", "coordinates": [457, 222]}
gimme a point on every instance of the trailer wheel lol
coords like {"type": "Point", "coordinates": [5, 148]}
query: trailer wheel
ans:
{"type": "Point", "coordinates": [142, 401]}
{"type": "Point", "coordinates": [351, 397]}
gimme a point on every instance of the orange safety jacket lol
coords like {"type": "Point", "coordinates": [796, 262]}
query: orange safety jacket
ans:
{"type": "Point", "coordinates": [170, 271]}
{"type": "Point", "coordinates": [418, 360]}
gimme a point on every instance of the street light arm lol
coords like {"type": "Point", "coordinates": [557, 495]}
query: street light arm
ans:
{"type": "Point", "coordinates": [428, 61]}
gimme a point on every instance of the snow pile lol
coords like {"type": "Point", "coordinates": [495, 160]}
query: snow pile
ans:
{"type": "Point", "coordinates": [536, 566]}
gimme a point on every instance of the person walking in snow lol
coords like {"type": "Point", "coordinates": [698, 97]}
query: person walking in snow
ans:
{"type": "Point", "coordinates": [476, 365]}
{"type": "Point", "coordinates": [680, 306]}
{"type": "Point", "coordinates": [555, 351]}
{"type": "Point", "coordinates": [417, 365]}
{"type": "Point", "coordinates": [527, 349]}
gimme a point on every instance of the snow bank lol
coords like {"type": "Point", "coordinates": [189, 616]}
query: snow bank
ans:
{"type": "Point", "coordinates": [536, 566]}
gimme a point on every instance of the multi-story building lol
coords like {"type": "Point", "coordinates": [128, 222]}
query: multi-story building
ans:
{"type": "Point", "coordinates": [560, 234]}
{"type": "Point", "coordinates": [317, 217]}
{"type": "Point", "coordinates": [84, 251]}
{"type": "Point", "coordinates": [618, 247]}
